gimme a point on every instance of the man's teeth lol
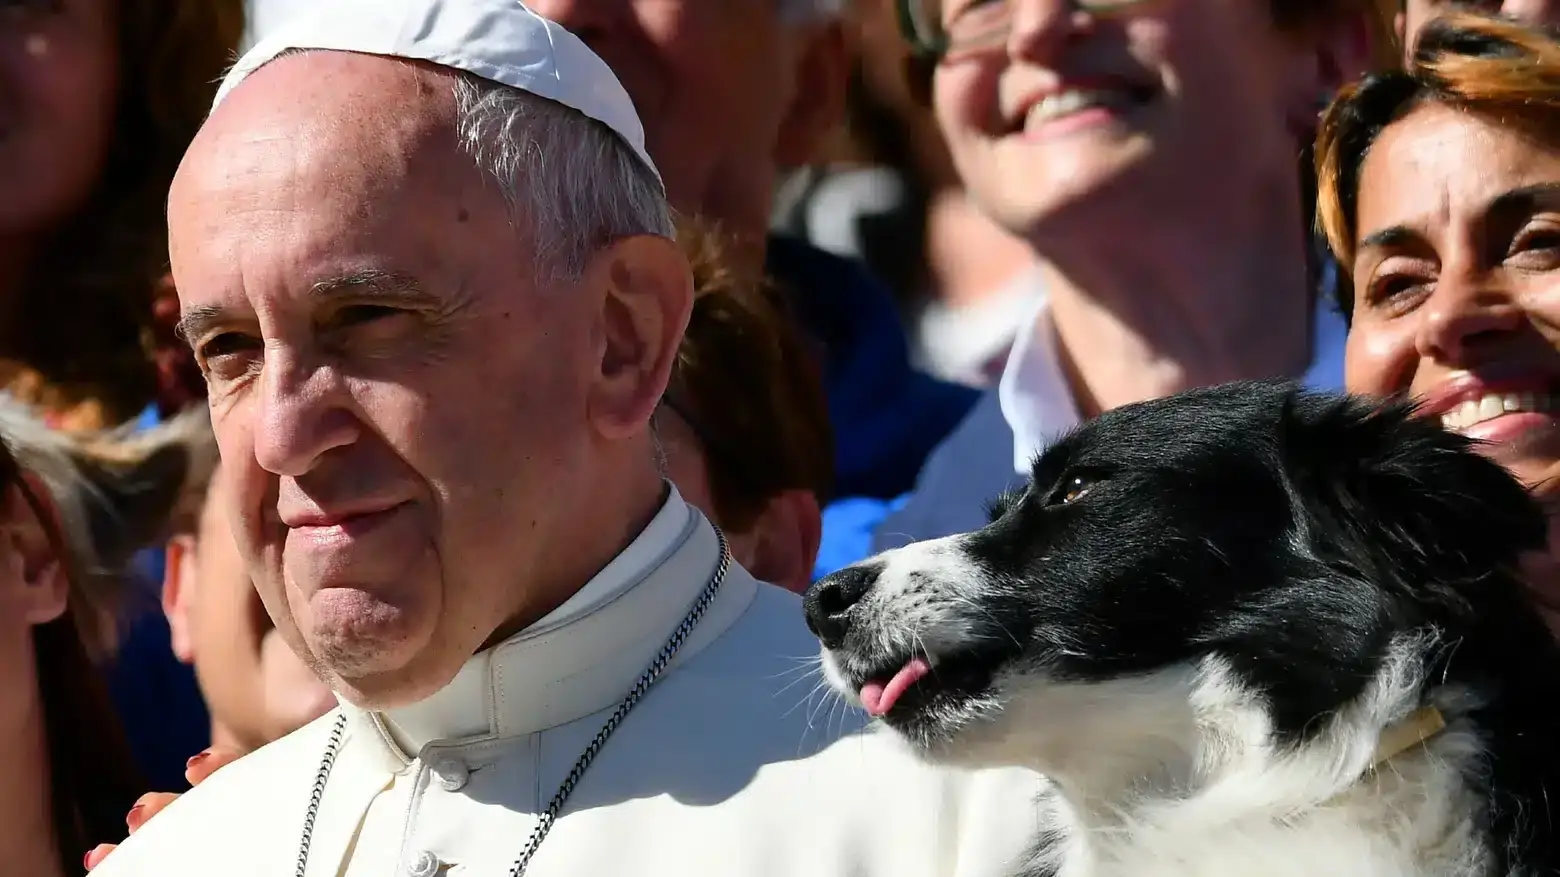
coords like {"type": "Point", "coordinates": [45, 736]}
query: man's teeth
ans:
{"type": "Point", "coordinates": [1066, 103]}
{"type": "Point", "coordinates": [1475, 411]}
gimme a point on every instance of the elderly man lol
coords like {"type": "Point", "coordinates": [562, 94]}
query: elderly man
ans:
{"type": "Point", "coordinates": [424, 261]}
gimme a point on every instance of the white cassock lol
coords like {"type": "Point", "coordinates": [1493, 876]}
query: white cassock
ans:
{"type": "Point", "coordinates": [726, 767]}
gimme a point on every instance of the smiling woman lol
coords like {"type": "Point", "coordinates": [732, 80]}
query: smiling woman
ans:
{"type": "Point", "coordinates": [1440, 194]}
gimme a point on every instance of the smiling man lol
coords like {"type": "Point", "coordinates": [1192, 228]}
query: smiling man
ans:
{"type": "Point", "coordinates": [426, 265]}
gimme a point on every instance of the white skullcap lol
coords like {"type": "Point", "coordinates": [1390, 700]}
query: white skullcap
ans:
{"type": "Point", "coordinates": [500, 40]}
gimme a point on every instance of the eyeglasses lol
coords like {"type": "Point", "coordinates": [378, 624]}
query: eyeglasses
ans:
{"type": "Point", "coordinates": [938, 28]}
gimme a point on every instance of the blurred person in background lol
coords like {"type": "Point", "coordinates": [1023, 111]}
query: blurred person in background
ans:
{"type": "Point", "coordinates": [888, 195]}
{"type": "Point", "coordinates": [101, 100]}
{"type": "Point", "coordinates": [1147, 152]}
{"type": "Point", "coordinates": [1412, 15]}
{"type": "Point", "coordinates": [1440, 195]}
{"type": "Point", "coordinates": [101, 97]}
{"type": "Point", "coordinates": [72, 511]}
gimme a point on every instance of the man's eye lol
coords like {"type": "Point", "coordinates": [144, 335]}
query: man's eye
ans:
{"type": "Point", "coordinates": [356, 315]}
{"type": "Point", "coordinates": [227, 344]}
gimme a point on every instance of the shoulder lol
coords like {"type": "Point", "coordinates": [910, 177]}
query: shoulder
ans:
{"type": "Point", "coordinates": [247, 811]}
{"type": "Point", "coordinates": [969, 468]}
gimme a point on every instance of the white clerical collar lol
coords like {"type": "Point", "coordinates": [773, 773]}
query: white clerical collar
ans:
{"type": "Point", "coordinates": [579, 658]}
{"type": "Point", "coordinates": [1037, 401]}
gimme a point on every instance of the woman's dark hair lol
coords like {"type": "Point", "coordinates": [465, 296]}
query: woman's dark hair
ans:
{"type": "Point", "coordinates": [91, 337]}
{"type": "Point", "coordinates": [92, 774]}
{"type": "Point", "coordinates": [1480, 64]}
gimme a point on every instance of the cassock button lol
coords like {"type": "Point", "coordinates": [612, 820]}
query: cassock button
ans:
{"type": "Point", "coordinates": [451, 774]}
{"type": "Point", "coordinates": [423, 864]}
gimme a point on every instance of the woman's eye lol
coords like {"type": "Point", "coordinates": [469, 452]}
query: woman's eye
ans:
{"type": "Point", "coordinates": [1536, 249]}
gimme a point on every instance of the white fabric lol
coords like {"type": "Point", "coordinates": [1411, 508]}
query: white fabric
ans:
{"type": "Point", "coordinates": [967, 343]}
{"type": "Point", "coordinates": [500, 40]}
{"type": "Point", "coordinates": [731, 766]}
{"type": "Point", "coordinates": [1032, 405]}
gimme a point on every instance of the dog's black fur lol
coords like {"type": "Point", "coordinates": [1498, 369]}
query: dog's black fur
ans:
{"type": "Point", "coordinates": [1297, 536]}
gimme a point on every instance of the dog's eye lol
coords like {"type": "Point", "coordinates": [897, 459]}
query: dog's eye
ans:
{"type": "Point", "coordinates": [1073, 488]}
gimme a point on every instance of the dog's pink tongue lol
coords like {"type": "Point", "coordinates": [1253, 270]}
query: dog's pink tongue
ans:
{"type": "Point", "coordinates": [879, 697]}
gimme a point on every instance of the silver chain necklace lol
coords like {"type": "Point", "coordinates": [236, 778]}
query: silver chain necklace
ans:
{"type": "Point", "coordinates": [555, 806]}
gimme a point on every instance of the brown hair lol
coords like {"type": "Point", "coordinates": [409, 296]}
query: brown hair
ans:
{"type": "Point", "coordinates": [1491, 66]}
{"type": "Point", "coordinates": [748, 385]}
{"type": "Point", "coordinates": [92, 776]}
{"type": "Point", "coordinates": [91, 341]}
{"type": "Point", "coordinates": [103, 496]}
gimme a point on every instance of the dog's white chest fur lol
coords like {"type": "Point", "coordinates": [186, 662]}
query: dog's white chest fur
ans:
{"type": "Point", "coordinates": [1409, 819]}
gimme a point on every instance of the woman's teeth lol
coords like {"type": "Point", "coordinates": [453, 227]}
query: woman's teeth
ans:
{"type": "Point", "coordinates": [1065, 103]}
{"type": "Point", "coordinates": [1489, 407]}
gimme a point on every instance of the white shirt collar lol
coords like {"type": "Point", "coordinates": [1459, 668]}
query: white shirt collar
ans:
{"type": "Point", "coordinates": [1038, 404]}
{"type": "Point", "coordinates": [578, 659]}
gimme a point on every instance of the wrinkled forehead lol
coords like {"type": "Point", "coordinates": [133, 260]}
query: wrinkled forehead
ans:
{"type": "Point", "coordinates": [292, 181]}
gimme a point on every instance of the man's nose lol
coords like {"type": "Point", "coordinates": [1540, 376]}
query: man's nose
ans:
{"type": "Point", "coordinates": [1536, 11]}
{"type": "Point", "coordinates": [828, 603]}
{"type": "Point", "coordinates": [304, 414]}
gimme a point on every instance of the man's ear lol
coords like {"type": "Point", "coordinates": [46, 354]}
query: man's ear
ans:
{"type": "Point", "coordinates": [644, 311]}
{"type": "Point", "coordinates": [178, 593]}
{"type": "Point", "coordinates": [784, 540]}
{"type": "Point", "coordinates": [34, 555]}
{"type": "Point", "coordinates": [821, 57]}
{"type": "Point", "coordinates": [1418, 499]}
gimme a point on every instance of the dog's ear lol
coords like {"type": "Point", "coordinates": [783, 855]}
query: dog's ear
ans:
{"type": "Point", "coordinates": [1413, 500]}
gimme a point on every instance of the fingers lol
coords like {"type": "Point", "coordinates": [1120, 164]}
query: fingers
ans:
{"type": "Point", "coordinates": [196, 770]}
{"type": "Point", "coordinates": [208, 762]}
{"type": "Point", "coordinates": [147, 806]}
{"type": "Point", "coordinates": [97, 854]}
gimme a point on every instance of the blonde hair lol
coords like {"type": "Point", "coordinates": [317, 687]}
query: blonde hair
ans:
{"type": "Point", "coordinates": [1494, 67]}
{"type": "Point", "coordinates": [111, 493]}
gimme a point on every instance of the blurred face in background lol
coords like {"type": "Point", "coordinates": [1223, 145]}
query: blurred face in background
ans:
{"type": "Point", "coordinates": [728, 91]}
{"type": "Point", "coordinates": [1059, 112]}
{"type": "Point", "coordinates": [256, 688]}
{"type": "Point", "coordinates": [1414, 13]}
{"type": "Point", "coordinates": [58, 84]}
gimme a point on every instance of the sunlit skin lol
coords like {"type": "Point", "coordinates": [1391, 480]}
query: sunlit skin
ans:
{"type": "Point", "coordinates": [412, 425]}
{"type": "Point", "coordinates": [1457, 281]}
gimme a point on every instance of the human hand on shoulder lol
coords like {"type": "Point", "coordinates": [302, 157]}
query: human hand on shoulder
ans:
{"type": "Point", "coordinates": [150, 804]}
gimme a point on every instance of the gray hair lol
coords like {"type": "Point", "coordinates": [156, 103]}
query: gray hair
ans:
{"type": "Point", "coordinates": [567, 178]}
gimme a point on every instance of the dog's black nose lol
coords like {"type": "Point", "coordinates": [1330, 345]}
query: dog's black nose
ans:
{"type": "Point", "coordinates": [829, 601]}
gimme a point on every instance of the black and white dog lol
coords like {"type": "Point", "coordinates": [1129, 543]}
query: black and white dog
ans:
{"type": "Point", "coordinates": [1245, 630]}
